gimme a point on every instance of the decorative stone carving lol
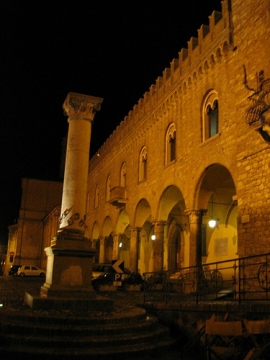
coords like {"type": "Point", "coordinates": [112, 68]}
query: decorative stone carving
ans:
{"type": "Point", "coordinates": [79, 105]}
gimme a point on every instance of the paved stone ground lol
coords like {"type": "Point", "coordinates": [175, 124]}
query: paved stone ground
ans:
{"type": "Point", "coordinates": [12, 291]}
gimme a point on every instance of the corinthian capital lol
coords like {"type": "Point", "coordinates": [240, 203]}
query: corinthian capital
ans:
{"type": "Point", "coordinates": [81, 106]}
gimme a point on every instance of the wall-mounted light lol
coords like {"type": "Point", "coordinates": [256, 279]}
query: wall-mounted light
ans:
{"type": "Point", "coordinates": [212, 223]}
{"type": "Point", "coordinates": [153, 237]}
{"type": "Point", "coordinates": [120, 244]}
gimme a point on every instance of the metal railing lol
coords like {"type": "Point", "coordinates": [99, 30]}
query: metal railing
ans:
{"type": "Point", "coordinates": [239, 279]}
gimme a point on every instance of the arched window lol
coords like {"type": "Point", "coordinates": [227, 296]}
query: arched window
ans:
{"type": "Point", "coordinates": [108, 188]}
{"type": "Point", "coordinates": [97, 196]}
{"type": "Point", "coordinates": [143, 164]}
{"type": "Point", "coordinates": [210, 116]}
{"type": "Point", "coordinates": [170, 144]}
{"type": "Point", "coordinates": [123, 175]}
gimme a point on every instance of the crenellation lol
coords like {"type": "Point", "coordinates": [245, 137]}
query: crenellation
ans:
{"type": "Point", "coordinates": [198, 50]}
{"type": "Point", "coordinates": [193, 43]}
{"type": "Point", "coordinates": [166, 74]}
{"type": "Point", "coordinates": [174, 65]}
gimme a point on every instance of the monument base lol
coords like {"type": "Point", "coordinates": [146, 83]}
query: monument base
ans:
{"type": "Point", "coordinates": [71, 304]}
{"type": "Point", "coordinates": [68, 275]}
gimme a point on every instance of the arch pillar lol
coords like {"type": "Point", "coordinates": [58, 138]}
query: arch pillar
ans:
{"type": "Point", "coordinates": [116, 240]}
{"type": "Point", "coordinates": [134, 248]}
{"type": "Point", "coordinates": [195, 224]}
{"type": "Point", "coordinates": [158, 250]}
{"type": "Point", "coordinates": [101, 249]}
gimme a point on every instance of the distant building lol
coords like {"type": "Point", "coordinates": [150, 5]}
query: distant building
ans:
{"type": "Point", "coordinates": [28, 237]}
{"type": "Point", "coordinates": [195, 148]}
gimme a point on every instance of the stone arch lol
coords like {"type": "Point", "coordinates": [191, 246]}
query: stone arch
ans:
{"type": "Point", "coordinates": [212, 60]}
{"type": "Point", "coordinates": [218, 55]}
{"type": "Point", "coordinates": [171, 211]}
{"type": "Point", "coordinates": [142, 213]}
{"type": "Point", "coordinates": [206, 66]}
{"type": "Point", "coordinates": [175, 246]}
{"type": "Point", "coordinates": [217, 194]}
{"type": "Point", "coordinates": [170, 143]}
{"type": "Point", "coordinates": [143, 223]}
{"type": "Point", "coordinates": [121, 244]}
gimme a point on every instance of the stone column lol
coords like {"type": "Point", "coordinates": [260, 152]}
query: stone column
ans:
{"type": "Point", "coordinates": [158, 244]}
{"type": "Point", "coordinates": [101, 249]}
{"type": "Point", "coordinates": [81, 110]}
{"type": "Point", "coordinates": [195, 223]}
{"type": "Point", "coordinates": [70, 257]}
{"type": "Point", "coordinates": [134, 249]}
{"type": "Point", "coordinates": [115, 254]}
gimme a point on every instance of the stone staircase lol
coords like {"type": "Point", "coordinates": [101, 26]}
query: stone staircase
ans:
{"type": "Point", "coordinates": [123, 333]}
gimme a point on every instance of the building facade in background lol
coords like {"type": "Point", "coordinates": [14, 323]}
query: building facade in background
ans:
{"type": "Point", "coordinates": [195, 148]}
{"type": "Point", "coordinates": [37, 224]}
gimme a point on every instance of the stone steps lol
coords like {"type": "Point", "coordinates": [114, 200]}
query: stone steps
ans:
{"type": "Point", "coordinates": [125, 332]}
{"type": "Point", "coordinates": [135, 351]}
{"type": "Point", "coordinates": [33, 341]}
{"type": "Point", "coordinates": [19, 327]}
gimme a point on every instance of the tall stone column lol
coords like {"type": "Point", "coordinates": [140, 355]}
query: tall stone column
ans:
{"type": "Point", "coordinates": [158, 245]}
{"type": "Point", "coordinates": [81, 110]}
{"type": "Point", "coordinates": [70, 257]}
{"type": "Point", "coordinates": [195, 223]}
{"type": "Point", "coordinates": [134, 249]}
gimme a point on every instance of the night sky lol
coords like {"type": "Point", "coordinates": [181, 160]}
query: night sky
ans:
{"type": "Point", "coordinates": [114, 49]}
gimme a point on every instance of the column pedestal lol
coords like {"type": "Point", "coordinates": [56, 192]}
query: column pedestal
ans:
{"type": "Point", "coordinates": [69, 266]}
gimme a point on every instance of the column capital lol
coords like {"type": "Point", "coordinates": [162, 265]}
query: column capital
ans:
{"type": "Point", "coordinates": [79, 106]}
{"type": "Point", "coordinates": [159, 223]}
{"type": "Point", "coordinates": [195, 212]}
{"type": "Point", "coordinates": [135, 229]}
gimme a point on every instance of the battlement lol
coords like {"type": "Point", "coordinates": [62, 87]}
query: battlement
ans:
{"type": "Point", "coordinates": [202, 53]}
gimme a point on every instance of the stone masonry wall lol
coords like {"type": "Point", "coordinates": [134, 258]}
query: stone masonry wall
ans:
{"type": "Point", "coordinates": [238, 36]}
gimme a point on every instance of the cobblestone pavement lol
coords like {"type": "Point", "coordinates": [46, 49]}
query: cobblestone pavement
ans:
{"type": "Point", "coordinates": [12, 291]}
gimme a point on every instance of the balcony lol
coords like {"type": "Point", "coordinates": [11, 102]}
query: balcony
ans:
{"type": "Point", "coordinates": [118, 196]}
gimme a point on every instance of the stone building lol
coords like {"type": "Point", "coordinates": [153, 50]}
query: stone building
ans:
{"type": "Point", "coordinates": [37, 223]}
{"type": "Point", "coordinates": [194, 148]}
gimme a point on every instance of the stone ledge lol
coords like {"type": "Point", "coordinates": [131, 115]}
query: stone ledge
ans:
{"type": "Point", "coordinates": [49, 303]}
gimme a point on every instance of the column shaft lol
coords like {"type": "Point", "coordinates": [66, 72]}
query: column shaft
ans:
{"type": "Point", "coordinates": [134, 249]}
{"type": "Point", "coordinates": [158, 244]}
{"type": "Point", "coordinates": [195, 222]}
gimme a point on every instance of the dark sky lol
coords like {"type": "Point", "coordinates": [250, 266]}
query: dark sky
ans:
{"type": "Point", "coordinates": [114, 49]}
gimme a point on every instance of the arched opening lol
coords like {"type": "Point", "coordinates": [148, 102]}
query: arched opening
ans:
{"type": "Point", "coordinates": [175, 253]}
{"type": "Point", "coordinates": [217, 194]}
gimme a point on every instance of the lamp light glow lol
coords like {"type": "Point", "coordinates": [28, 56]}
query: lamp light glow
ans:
{"type": "Point", "coordinates": [212, 223]}
{"type": "Point", "coordinates": [153, 237]}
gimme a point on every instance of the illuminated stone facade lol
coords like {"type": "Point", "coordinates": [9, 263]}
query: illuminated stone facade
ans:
{"type": "Point", "coordinates": [191, 149]}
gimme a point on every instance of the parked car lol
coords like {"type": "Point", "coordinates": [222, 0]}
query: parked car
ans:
{"type": "Point", "coordinates": [14, 269]}
{"type": "Point", "coordinates": [107, 278]}
{"type": "Point", "coordinates": [101, 269]}
{"type": "Point", "coordinates": [30, 270]}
